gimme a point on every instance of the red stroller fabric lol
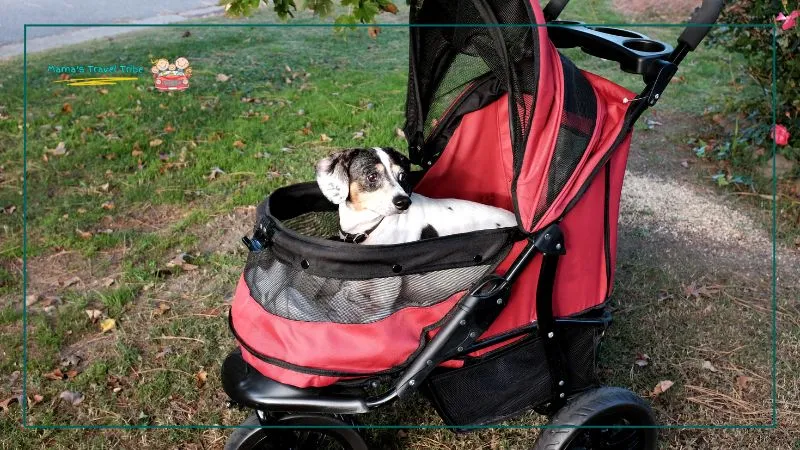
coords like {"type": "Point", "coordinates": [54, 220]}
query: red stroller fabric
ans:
{"type": "Point", "coordinates": [478, 164]}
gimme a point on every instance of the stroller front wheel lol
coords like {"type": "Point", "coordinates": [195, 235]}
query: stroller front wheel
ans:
{"type": "Point", "coordinates": [249, 437]}
{"type": "Point", "coordinates": [606, 406]}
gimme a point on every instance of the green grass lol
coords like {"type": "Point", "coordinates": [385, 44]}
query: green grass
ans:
{"type": "Point", "coordinates": [163, 198]}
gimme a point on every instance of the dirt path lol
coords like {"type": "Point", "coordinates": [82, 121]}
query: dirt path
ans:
{"type": "Point", "coordinates": [709, 256]}
{"type": "Point", "coordinates": [656, 11]}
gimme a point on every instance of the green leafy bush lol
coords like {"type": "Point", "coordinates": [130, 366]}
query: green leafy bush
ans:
{"type": "Point", "coordinates": [755, 45]}
{"type": "Point", "coordinates": [359, 11]}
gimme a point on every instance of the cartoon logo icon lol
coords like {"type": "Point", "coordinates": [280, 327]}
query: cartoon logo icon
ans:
{"type": "Point", "coordinates": [171, 77]}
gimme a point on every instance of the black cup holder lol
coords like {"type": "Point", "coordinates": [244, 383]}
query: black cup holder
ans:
{"type": "Point", "coordinates": [618, 32]}
{"type": "Point", "coordinates": [644, 45]}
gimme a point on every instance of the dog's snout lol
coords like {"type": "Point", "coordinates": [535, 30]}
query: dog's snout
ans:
{"type": "Point", "coordinates": [401, 202]}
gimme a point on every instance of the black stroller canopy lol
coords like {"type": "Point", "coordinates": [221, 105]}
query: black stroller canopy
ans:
{"type": "Point", "coordinates": [484, 49]}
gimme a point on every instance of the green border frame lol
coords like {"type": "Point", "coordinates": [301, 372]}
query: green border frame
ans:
{"type": "Point", "coordinates": [774, 305]}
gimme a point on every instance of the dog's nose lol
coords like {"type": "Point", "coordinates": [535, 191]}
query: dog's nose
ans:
{"type": "Point", "coordinates": [401, 202]}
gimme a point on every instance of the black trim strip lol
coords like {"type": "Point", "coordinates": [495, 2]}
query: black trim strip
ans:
{"type": "Point", "coordinates": [607, 231]}
{"type": "Point", "coordinates": [336, 259]}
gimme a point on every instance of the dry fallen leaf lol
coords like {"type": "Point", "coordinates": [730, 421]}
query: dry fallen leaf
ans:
{"type": "Point", "coordinates": [200, 377]}
{"type": "Point", "coordinates": [662, 387]}
{"type": "Point", "coordinates": [169, 128]}
{"type": "Point", "coordinates": [66, 108]}
{"type": "Point", "coordinates": [324, 138]}
{"type": "Point", "coordinates": [72, 281]}
{"type": "Point", "coordinates": [743, 381]}
{"type": "Point", "coordinates": [358, 135]}
{"type": "Point", "coordinates": [264, 118]}
{"type": "Point", "coordinates": [105, 187]}
{"type": "Point", "coordinates": [389, 7]}
{"type": "Point", "coordinates": [108, 282]}
{"type": "Point", "coordinates": [162, 308]}
{"type": "Point", "coordinates": [215, 172]}
{"type": "Point", "coordinates": [182, 261]}
{"type": "Point", "coordinates": [48, 300]}
{"type": "Point", "coordinates": [71, 397]}
{"type": "Point", "coordinates": [56, 375]}
{"type": "Point", "coordinates": [5, 404]}
{"type": "Point", "coordinates": [37, 399]}
{"type": "Point", "coordinates": [107, 325]}
{"type": "Point", "coordinates": [156, 142]}
{"type": "Point", "coordinates": [103, 91]}
{"type": "Point", "coordinates": [693, 290]}
{"type": "Point", "coordinates": [238, 144]}
{"type": "Point", "coordinates": [107, 205]}
{"type": "Point", "coordinates": [222, 77]}
{"type": "Point", "coordinates": [94, 314]}
{"type": "Point", "coordinates": [83, 234]}
{"type": "Point", "coordinates": [400, 133]}
{"type": "Point", "coordinates": [165, 351]}
{"type": "Point", "coordinates": [708, 366]}
{"type": "Point", "coordinates": [60, 150]}
{"type": "Point", "coordinates": [641, 359]}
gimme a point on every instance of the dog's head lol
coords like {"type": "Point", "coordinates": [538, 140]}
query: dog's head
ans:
{"type": "Point", "coordinates": [374, 179]}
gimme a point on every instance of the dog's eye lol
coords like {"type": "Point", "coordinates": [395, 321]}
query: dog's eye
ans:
{"type": "Point", "coordinates": [373, 177]}
{"type": "Point", "coordinates": [401, 177]}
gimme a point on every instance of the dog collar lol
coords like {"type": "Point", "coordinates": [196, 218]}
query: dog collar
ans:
{"type": "Point", "coordinates": [357, 238]}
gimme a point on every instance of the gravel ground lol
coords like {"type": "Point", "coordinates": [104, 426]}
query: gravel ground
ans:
{"type": "Point", "coordinates": [705, 219]}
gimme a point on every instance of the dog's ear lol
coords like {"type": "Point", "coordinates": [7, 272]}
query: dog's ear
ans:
{"type": "Point", "coordinates": [333, 178]}
{"type": "Point", "coordinates": [399, 158]}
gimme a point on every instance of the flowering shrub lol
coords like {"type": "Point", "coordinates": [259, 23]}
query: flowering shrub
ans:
{"type": "Point", "coordinates": [755, 45]}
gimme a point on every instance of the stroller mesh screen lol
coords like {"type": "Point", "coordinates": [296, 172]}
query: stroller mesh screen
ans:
{"type": "Point", "coordinates": [323, 224]}
{"type": "Point", "coordinates": [460, 76]}
{"type": "Point", "coordinates": [296, 295]}
{"type": "Point", "coordinates": [446, 62]}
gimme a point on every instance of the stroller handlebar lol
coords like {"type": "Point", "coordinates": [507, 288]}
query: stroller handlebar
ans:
{"type": "Point", "coordinates": [701, 22]}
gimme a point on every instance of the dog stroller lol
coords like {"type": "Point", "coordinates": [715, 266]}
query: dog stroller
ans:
{"type": "Point", "coordinates": [486, 324]}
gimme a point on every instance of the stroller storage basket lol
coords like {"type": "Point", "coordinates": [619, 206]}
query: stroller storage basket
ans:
{"type": "Point", "coordinates": [315, 305]}
{"type": "Point", "coordinates": [506, 382]}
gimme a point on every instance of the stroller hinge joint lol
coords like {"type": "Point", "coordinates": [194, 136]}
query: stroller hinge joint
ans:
{"type": "Point", "coordinates": [658, 78]}
{"type": "Point", "coordinates": [550, 241]}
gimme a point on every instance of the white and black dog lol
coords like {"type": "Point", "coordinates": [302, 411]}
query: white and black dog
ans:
{"type": "Point", "coordinates": [376, 206]}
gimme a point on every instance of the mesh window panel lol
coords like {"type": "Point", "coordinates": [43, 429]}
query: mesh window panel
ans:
{"type": "Point", "coordinates": [443, 59]}
{"type": "Point", "coordinates": [575, 133]}
{"type": "Point", "coordinates": [510, 381]}
{"type": "Point", "coordinates": [460, 77]}
{"type": "Point", "coordinates": [316, 224]}
{"type": "Point", "coordinates": [293, 294]}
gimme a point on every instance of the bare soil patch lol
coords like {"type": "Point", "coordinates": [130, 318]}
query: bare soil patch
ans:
{"type": "Point", "coordinates": [58, 272]}
{"type": "Point", "coordinates": [672, 11]}
{"type": "Point", "coordinates": [223, 234]}
{"type": "Point", "coordinates": [145, 218]}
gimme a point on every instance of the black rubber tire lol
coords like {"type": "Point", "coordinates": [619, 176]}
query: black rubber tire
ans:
{"type": "Point", "coordinates": [602, 406]}
{"type": "Point", "coordinates": [260, 438]}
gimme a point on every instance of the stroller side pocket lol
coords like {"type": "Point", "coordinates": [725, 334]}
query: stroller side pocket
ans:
{"type": "Point", "coordinates": [503, 383]}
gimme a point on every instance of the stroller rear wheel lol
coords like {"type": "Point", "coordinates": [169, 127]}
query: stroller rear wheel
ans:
{"type": "Point", "coordinates": [252, 438]}
{"type": "Point", "coordinates": [598, 408]}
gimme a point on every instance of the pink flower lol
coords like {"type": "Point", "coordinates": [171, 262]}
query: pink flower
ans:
{"type": "Point", "coordinates": [788, 21]}
{"type": "Point", "coordinates": [781, 135]}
